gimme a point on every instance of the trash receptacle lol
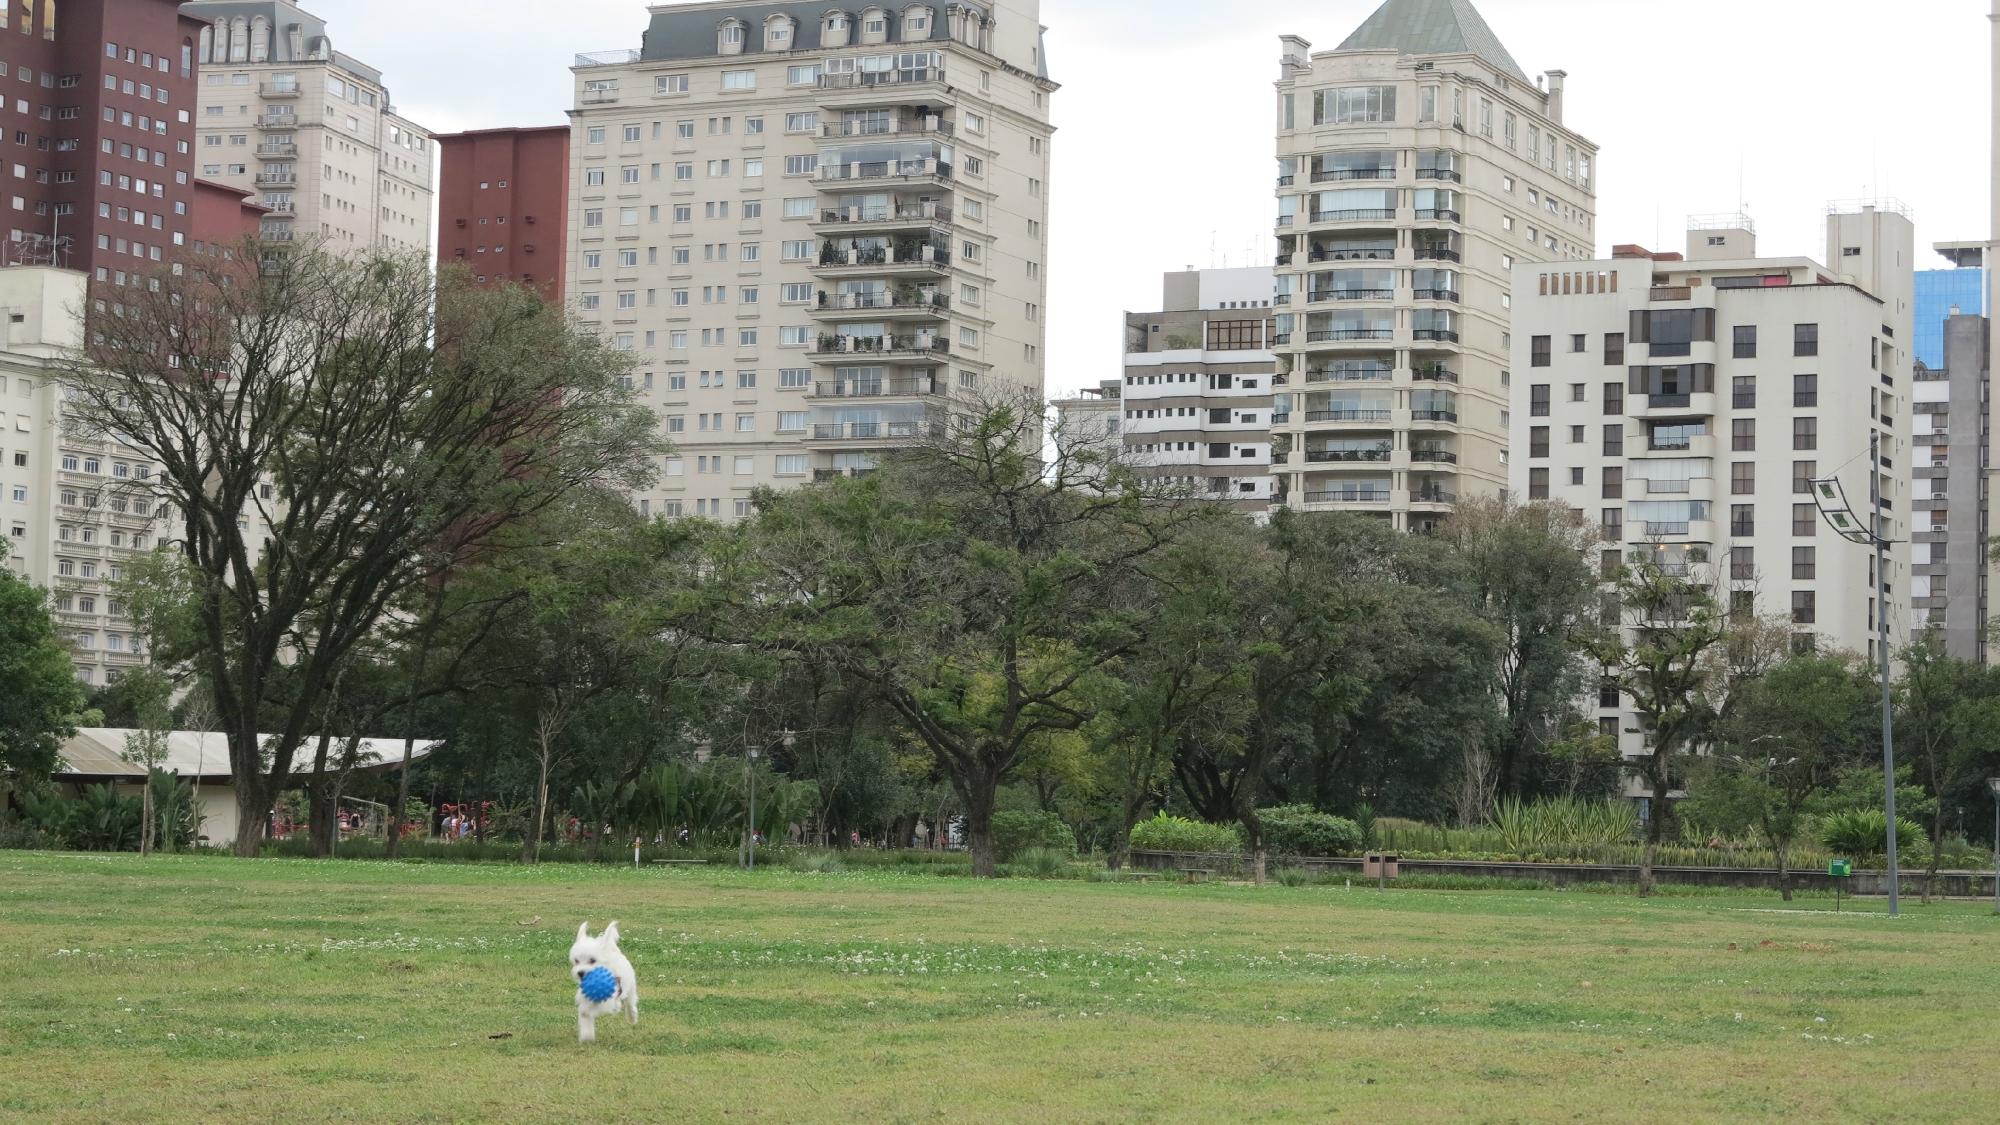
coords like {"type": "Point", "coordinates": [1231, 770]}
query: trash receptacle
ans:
{"type": "Point", "coordinates": [1379, 865]}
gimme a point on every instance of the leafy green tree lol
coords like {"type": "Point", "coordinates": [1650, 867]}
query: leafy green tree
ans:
{"type": "Point", "coordinates": [40, 700]}
{"type": "Point", "coordinates": [151, 695]}
{"type": "Point", "coordinates": [1791, 731]}
{"type": "Point", "coordinates": [1948, 725]}
{"type": "Point", "coordinates": [1531, 571]}
{"type": "Point", "coordinates": [332, 431]}
{"type": "Point", "coordinates": [975, 584]}
{"type": "Point", "coordinates": [1661, 658]}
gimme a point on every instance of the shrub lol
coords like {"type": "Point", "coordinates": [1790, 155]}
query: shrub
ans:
{"type": "Point", "coordinates": [818, 863]}
{"type": "Point", "coordinates": [1863, 834]}
{"type": "Point", "coordinates": [1304, 830]}
{"type": "Point", "coordinates": [1042, 863]}
{"type": "Point", "coordinates": [1295, 877]}
{"type": "Point", "coordinates": [1015, 832]}
{"type": "Point", "coordinates": [1165, 833]}
{"type": "Point", "coordinates": [1959, 854]}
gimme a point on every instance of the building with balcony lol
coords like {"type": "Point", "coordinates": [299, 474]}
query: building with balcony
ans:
{"type": "Point", "coordinates": [815, 229]}
{"type": "Point", "coordinates": [1685, 403]}
{"type": "Point", "coordinates": [1951, 449]}
{"type": "Point", "coordinates": [308, 128]}
{"type": "Point", "coordinates": [503, 205]}
{"type": "Point", "coordinates": [72, 510]}
{"type": "Point", "coordinates": [1418, 165]}
{"type": "Point", "coordinates": [102, 176]}
{"type": "Point", "coordinates": [1200, 389]}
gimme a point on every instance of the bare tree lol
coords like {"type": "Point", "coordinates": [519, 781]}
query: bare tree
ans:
{"type": "Point", "coordinates": [334, 431]}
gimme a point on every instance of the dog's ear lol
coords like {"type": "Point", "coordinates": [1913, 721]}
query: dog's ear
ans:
{"type": "Point", "coordinates": [583, 931]}
{"type": "Point", "coordinates": [610, 933]}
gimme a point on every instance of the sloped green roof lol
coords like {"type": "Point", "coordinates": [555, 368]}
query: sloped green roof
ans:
{"type": "Point", "coordinates": [1432, 27]}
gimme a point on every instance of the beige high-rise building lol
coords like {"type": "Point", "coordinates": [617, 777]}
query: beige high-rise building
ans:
{"type": "Point", "coordinates": [310, 129]}
{"type": "Point", "coordinates": [813, 227]}
{"type": "Point", "coordinates": [1685, 403]}
{"type": "Point", "coordinates": [1418, 165]}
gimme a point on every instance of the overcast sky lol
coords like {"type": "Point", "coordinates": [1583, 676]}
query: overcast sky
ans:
{"type": "Point", "coordinates": [1163, 156]}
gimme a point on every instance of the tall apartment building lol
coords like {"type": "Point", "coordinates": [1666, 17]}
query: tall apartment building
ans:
{"type": "Point", "coordinates": [73, 511]}
{"type": "Point", "coordinates": [813, 227]}
{"type": "Point", "coordinates": [503, 205]}
{"type": "Point", "coordinates": [1418, 165]}
{"type": "Point", "coordinates": [1943, 293]}
{"type": "Point", "coordinates": [1952, 444]}
{"type": "Point", "coordinates": [311, 129]}
{"type": "Point", "coordinates": [101, 179]}
{"type": "Point", "coordinates": [1200, 380]}
{"type": "Point", "coordinates": [1684, 403]}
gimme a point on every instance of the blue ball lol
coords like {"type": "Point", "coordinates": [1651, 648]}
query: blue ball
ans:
{"type": "Point", "coordinates": [597, 985]}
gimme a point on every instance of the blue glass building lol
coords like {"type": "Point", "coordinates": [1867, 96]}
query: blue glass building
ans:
{"type": "Point", "coordinates": [1937, 292]}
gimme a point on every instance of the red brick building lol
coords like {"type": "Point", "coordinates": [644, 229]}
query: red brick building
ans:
{"type": "Point", "coordinates": [503, 204]}
{"type": "Point", "coordinates": [224, 216]}
{"type": "Point", "coordinates": [99, 169]}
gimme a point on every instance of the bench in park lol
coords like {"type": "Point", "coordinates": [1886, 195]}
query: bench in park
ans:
{"type": "Point", "coordinates": [682, 861]}
{"type": "Point", "coordinates": [1197, 874]}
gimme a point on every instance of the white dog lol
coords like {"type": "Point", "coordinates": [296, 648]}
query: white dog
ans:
{"type": "Point", "coordinates": [589, 953]}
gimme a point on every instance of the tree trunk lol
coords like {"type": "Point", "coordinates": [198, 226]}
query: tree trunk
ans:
{"type": "Point", "coordinates": [395, 841]}
{"type": "Point", "coordinates": [1784, 871]}
{"type": "Point", "coordinates": [979, 793]}
{"type": "Point", "coordinates": [253, 814]}
{"type": "Point", "coordinates": [531, 842]}
{"type": "Point", "coordinates": [146, 816]}
{"type": "Point", "coordinates": [1937, 833]}
{"type": "Point", "coordinates": [322, 825]}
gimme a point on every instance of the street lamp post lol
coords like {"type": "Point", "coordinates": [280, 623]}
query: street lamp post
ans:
{"type": "Point", "coordinates": [1993, 783]}
{"type": "Point", "coordinates": [750, 822]}
{"type": "Point", "coordinates": [1832, 501]}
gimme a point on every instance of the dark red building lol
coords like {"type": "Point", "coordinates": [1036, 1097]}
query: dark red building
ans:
{"type": "Point", "coordinates": [224, 216]}
{"type": "Point", "coordinates": [503, 204]}
{"type": "Point", "coordinates": [99, 173]}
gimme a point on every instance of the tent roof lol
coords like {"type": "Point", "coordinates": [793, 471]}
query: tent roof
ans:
{"type": "Point", "coordinates": [98, 752]}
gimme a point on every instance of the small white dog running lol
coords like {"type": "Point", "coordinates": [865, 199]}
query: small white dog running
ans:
{"type": "Point", "coordinates": [589, 953]}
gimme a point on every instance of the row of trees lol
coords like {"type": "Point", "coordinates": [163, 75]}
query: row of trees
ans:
{"type": "Point", "coordinates": [404, 513]}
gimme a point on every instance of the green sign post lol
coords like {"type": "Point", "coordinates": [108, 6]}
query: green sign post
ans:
{"type": "Point", "coordinates": [1839, 869]}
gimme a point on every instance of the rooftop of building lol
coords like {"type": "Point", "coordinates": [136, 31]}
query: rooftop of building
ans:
{"type": "Point", "coordinates": [314, 44]}
{"type": "Point", "coordinates": [1432, 27]}
{"type": "Point", "coordinates": [500, 131]}
{"type": "Point", "coordinates": [688, 30]}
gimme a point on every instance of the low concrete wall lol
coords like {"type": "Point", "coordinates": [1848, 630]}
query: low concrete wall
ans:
{"type": "Point", "coordinates": [1952, 884]}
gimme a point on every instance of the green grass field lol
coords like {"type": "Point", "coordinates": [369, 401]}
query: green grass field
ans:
{"type": "Point", "coordinates": [213, 989]}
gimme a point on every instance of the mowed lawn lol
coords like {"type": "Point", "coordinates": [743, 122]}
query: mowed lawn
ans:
{"type": "Point", "coordinates": [212, 989]}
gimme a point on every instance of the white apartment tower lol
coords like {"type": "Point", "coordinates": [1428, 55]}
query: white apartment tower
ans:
{"type": "Point", "coordinates": [1684, 403]}
{"type": "Point", "coordinates": [308, 128]}
{"type": "Point", "coordinates": [72, 510]}
{"type": "Point", "coordinates": [1418, 165]}
{"type": "Point", "coordinates": [813, 227]}
{"type": "Point", "coordinates": [1199, 394]}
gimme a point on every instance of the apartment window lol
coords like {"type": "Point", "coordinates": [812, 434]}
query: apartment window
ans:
{"type": "Point", "coordinates": [1614, 398]}
{"type": "Point", "coordinates": [746, 423]}
{"type": "Point", "coordinates": [1538, 484]}
{"type": "Point", "coordinates": [1805, 390]}
{"type": "Point", "coordinates": [1613, 483]}
{"type": "Point", "coordinates": [1803, 473]}
{"type": "Point", "coordinates": [1743, 478]}
{"type": "Point", "coordinates": [670, 84]}
{"type": "Point", "coordinates": [1805, 607]}
{"type": "Point", "coordinates": [1538, 441]}
{"type": "Point", "coordinates": [802, 165]}
{"type": "Point", "coordinates": [1743, 435]}
{"type": "Point", "coordinates": [791, 421]}
{"type": "Point", "coordinates": [1576, 476]}
{"type": "Point", "coordinates": [1611, 524]}
{"type": "Point", "coordinates": [1614, 349]}
{"type": "Point", "coordinates": [795, 377]}
{"type": "Point", "coordinates": [1804, 563]}
{"type": "Point", "coordinates": [1614, 440]}
{"type": "Point", "coordinates": [1742, 519]}
{"type": "Point", "coordinates": [1576, 392]}
{"type": "Point", "coordinates": [739, 80]}
{"type": "Point", "coordinates": [1743, 392]}
{"type": "Point", "coordinates": [1805, 339]}
{"type": "Point", "coordinates": [1538, 400]}
{"type": "Point", "coordinates": [1746, 341]}
{"type": "Point", "coordinates": [801, 122]}
{"type": "Point", "coordinates": [1539, 352]}
{"type": "Point", "coordinates": [1805, 520]}
{"type": "Point", "coordinates": [1354, 105]}
{"type": "Point", "coordinates": [1742, 564]}
{"type": "Point", "coordinates": [631, 134]}
{"type": "Point", "coordinates": [1576, 435]}
{"type": "Point", "coordinates": [1805, 433]}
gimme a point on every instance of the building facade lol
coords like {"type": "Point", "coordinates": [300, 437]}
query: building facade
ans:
{"type": "Point", "coordinates": [1199, 391]}
{"type": "Point", "coordinates": [312, 130]}
{"type": "Point", "coordinates": [73, 511]}
{"type": "Point", "coordinates": [225, 217]}
{"type": "Point", "coordinates": [1949, 456]}
{"type": "Point", "coordinates": [503, 205]}
{"type": "Point", "coordinates": [1684, 403]}
{"type": "Point", "coordinates": [104, 90]}
{"type": "Point", "coordinates": [1418, 167]}
{"type": "Point", "coordinates": [814, 229]}
{"type": "Point", "coordinates": [1943, 293]}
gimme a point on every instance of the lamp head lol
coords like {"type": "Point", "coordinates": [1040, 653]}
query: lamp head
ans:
{"type": "Point", "coordinates": [1993, 783]}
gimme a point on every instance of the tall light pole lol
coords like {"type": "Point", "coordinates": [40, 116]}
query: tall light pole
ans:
{"type": "Point", "coordinates": [1832, 501]}
{"type": "Point", "coordinates": [750, 822]}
